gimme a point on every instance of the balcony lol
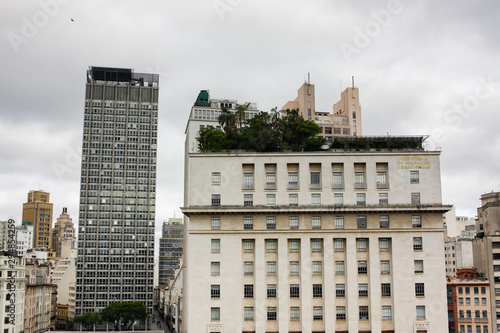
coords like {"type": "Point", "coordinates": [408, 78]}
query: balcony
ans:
{"type": "Point", "coordinates": [465, 320]}
{"type": "Point", "coordinates": [338, 185]}
{"type": "Point", "coordinates": [359, 185]}
{"type": "Point", "coordinates": [382, 185]}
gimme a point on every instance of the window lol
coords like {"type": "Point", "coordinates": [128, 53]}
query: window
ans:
{"type": "Point", "coordinates": [214, 314]}
{"type": "Point", "coordinates": [415, 199]}
{"type": "Point", "coordinates": [317, 245]}
{"type": "Point", "coordinates": [384, 221]}
{"type": "Point", "coordinates": [293, 245]}
{"type": "Point", "coordinates": [317, 290]}
{"type": "Point", "coordinates": [294, 313]}
{"type": "Point", "coordinates": [419, 266]}
{"type": "Point", "coordinates": [215, 200]}
{"type": "Point", "coordinates": [477, 314]}
{"type": "Point", "coordinates": [417, 244]}
{"type": "Point", "coordinates": [381, 180]}
{"type": "Point", "coordinates": [294, 291]}
{"type": "Point", "coordinates": [483, 290]}
{"type": "Point", "coordinates": [315, 179]}
{"type": "Point", "coordinates": [215, 178]}
{"type": "Point", "coordinates": [215, 268]}
{"type": "Point", "coordinates": [248, 181]}
{"type": "Point", "coordinates": [271, 222]}
{"type": "Point", "coordinates": [271, 245]}
{"type": "Point", "coordinates": [383, 198]}
{"type": "Point", "coordinates": [317, 313]}
{"type": "Point", "coordinates": [476, 290]}
{"type": "Point", "coordinates": [361, 199]}
{"type": "Point", "coordinates": [316, 199]}
{"type": "Point", "coordinates": [271, 291]}
{"type": "Point", "coordinates": [248, 313]}
{"type": "Point", "coordinates": [340, 310]}
{"type": "Point", "coordinates": [317, 267]}
{"type": "Point", "coordinates": [386, 289]}
{"type": "Point", "coordinates": [316, 222]}
{"type": "Point", "coordinates": [270, 180]}
{"type": "Point", "coordinates": [485, 329]}
{"type": "Point", "coordinates": [215, 223]}
{"type": "Point", "coordinates": [338, 181]}
{"type": "Point", "coordinates": [248, 245]}
{"type": "Point", "coordinates": [248, 267]}
{"type": "Point", "coordinates": [339, 244]}
{"type": "Point", "coordinates": [363, 312]}
{"type": "Point", "coordinates": [361, 244]}
{"type": "Point", "coordinates": [339, 268]}
{"type": "Point", "coordinates": [338, 199]}
{"type": "Point", "coordinates": [359, 180]}
{"type": "Point", "coordinates": [420, 291]}
{"type": "Point", "coordinates": [485, 314]}
{"type": "Point", "coordinates": [361, 222]}
{"type": "Point", "coordinates": [483, 301]}
{"type": "Point", "coordinates": [271, 199]}
{"type": "Point", "coordinates": [385, 267]}
{"type": "Point", "coordinates": [363, 290]}
{"type": "Point", "coordinates": [271, 313]}
{"type": "Point", "coordinates": [293, 199]}
{"type": "Point", "coordinates": [414, 177]}
{"type": "Point", "coordinates": [248, 290]}
{"type": "Point", "coordinates": [340, 290]}
{"type": "Point", "coordinates": [248, 200]}
{"type": "Point", "coordinates": [293, 222]}
{"type": "Point", "coordinates": [248, 222]}
{"type": "Point", "coordinates": [467, 300]}
{"type": "Point", "coordinates": [362, 267]}
{"type": "Point", "coordinates": [460, 290]}
{"type": "Point", "coordinates": [339, 222]}
{"type": "Point", "coordinates": [294, 268]}
{"type": "Point", "coordinates": [271, 268]}
{"type": "Point", "coordinates": [467, 290]}
{"type": "Point", "coordinates": [420, 311]}
{"type": "Point", "coordinates": [384, 244]}
{"type": "Point", "coordinates": [215, 246]}
{"type": "Point", "coordinates": [386, 312]}
{"type": "Point", "coordinates": [416, 221]}
{"type": "Point", "coordinates": [215, 291]}
{"type": "Point", "coordinates": [293, 180]}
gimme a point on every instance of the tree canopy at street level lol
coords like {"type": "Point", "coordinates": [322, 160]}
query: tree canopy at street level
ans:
{"type": "Point", "coordinates": [122, 315]}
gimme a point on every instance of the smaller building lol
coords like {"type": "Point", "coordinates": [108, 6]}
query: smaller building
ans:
{"type": "Point", "coordinates": [171, 248]}
{"type": "Point", "coordinates": [24, 238]}
{"type": "Point", "coordinates": [172, 302]}
{"type": "Point", "coordinates": [469, 308]}
{"type": "Point", "coordinates": [63, 232]}
{"type": "Point", "coordinates": [38, 303]}
{"type": "Point", "coordinates": [12, 292]}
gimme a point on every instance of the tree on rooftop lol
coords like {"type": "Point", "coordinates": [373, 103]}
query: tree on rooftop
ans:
{"type": "Point", "coordinates": [89, 320]}
{"type": "Point", "coordinates": [122, 315]}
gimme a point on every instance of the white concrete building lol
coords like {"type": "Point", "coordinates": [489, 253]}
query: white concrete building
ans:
{"type": "Point", "coordinates": [24, 238]}
{"type": "Point", "coordinates": [333, 241]}
{"type": "Point", "coordinates": [64, 276]}
{"type": "Point", "coordinates": [12, 292]}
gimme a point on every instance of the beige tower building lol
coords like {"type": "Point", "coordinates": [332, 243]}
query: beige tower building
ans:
{"type": "Point", "coordinates": [38, 212]}
{"type": "Point", "coordinates": [63, 232]}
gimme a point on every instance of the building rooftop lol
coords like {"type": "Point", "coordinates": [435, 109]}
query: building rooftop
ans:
{"type": "Point", "coordinates": [125, 76]}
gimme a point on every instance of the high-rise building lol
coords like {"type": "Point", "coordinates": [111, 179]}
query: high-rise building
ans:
{"type": "Point", "coordinates": [24, 238]}
{"type": "Point", "coordinates": [38, 212]}
{"type": "Point", "coordinates": [331, 241]}
{"type": "Point", "coordinates": [63, 230]}
{"type": "Point", "coordinates": [171, 244]}
{"type": "Point", "coordinates": [117, 195]}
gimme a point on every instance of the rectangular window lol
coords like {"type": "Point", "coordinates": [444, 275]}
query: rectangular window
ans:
{"type": "Point", "coordinates": [483, 290]}
{"type": "Point", "coordinates": [384, 244]}
{"type": "Point", "coordinates": [339, 222]}
{"type": "Point", "coordinates": [363, 313]}
{"type": "Point", "coordinates": [340, 290]}
{"type": "Point", "coordinates": [248, 222]}
{"type": "Point", "coordinates": [414, 177]}
{"type": "Point", "coordinates": [384, 221]}
{"type": "Point", "coordinates": [293, 245]}
{"type": "Point", "coordinates": [215, 268]}
{"type": "Point", "coordinates": [385, 267]}
{"type": "Point", "coordinates": [361, 244]}
{"type": "Point", "coordinates": [359, 180]}
{"type": "Point", "coordinates": [215, 223]}
{"type": "Point", "coordinates": [294, 313]}
{"type": "Point", "coordinates": [271, 291]}
{"type": "Point", "coordinates": [248, 200]}
{"type": "Point", "coordinates": [386, 312]}
{"type": "Point", "coordinates": [215, 291]}
{"type": "Point", "coordinates": [417, 244]}
{"type": "Point", "coordinates": [271, 245]}
{"type": "Point", "coordinates": [317, 313]}
{"type": "Point", "coordinates": [416, 221]}
{"type": "Point", "coordinates": [216, 178]}
{"type": "Point", "coordinates": [248, 181]}
{"type": "Point", "coordinates": [415, 199]}
{"type": "Point", "coordinates": [271, 199]}
{"type": "Point", "coordinates": [316, 199]}
{"type": "Point", "coordinates": [363, 290]}
{"type": "Point", "coordinates": [476, 290]}
{"type": "Point", "coordinates": [294, 268]}
{"type": "Point", "coordinates": [338, 180]}
{"type": "Point", "coordinates": [248, 245]}
{"type": "Point", "coordinates": [361, 199]}
{"type": "Point", "coordinates": [271, 313]}
{"type": "Point", "coordinates": [293, 180]}
{"type": "Point", "coordinates": [215, 200]}
{"type": "Point", "coordinates": [383, 198]}
{"type": "Point", "coordinates": [338, 199]}
{"type": "Point", "coordinates": [315, 179]}
{"type": "Point", "coordinates": [248, 267]}
{"type": "Point", "coordinates": [339, 268]}
{"type": "Point", "coordinates": [361, 222]}
{"type": "Point", "coordinates": [294, 291]}
{"type": "Point", "coordinates": [420, 311]}
{"type": "Point", "coordinates": [215, 246]}
{"type": "Point", "coordinates": [271, 222]}
{"type": "Point", "coordinates": [248, 313]}
{"type": "Point", "coordinates": [339, 244]}
{"type": "Point", "coordinates": [293, 199]}
{"type": "Point", "coordinates": [386, 289]}
{"type": "Point", "coordinates": [270, 180]}
{"type": "Point", "coordinates": [317, 267]}
{"type": "Point", "coordinates": [293, 222]}
{"type": "Point", "coordinates": [362, 267]}
{"type": "Point", "coordinates": [248, 291]}
{"type": "Point", "coordinates": [420, 291]}
{"type": "Point", "coordinates": [382, 180]}
{"type": "Point", "coordinates": [317, 290]}
{"type": "Point", "coordinates": [271, 268]}
{"type": "Point", "coordinates": [340, 311]}
{"type": "Point", "coordinates": [214, 314]}
{"type": "Point", "coordinates": [419, 266]}
{"type": "Point", "coordinates": [317, 245]}
{"type": "Point", "coordinates": [316, 222]}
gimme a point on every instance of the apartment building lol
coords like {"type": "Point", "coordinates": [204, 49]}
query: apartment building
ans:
{"type": "Point", "coordinates": [38, 298]}
{"type": "Point", "coordinates": [37, 210]}
{"type": "Point", "coordinates": [171, 246]}
{"type": "Point", "coordinates": [331, 241]}
{"type": "Point", "coordinates": [12, 292]}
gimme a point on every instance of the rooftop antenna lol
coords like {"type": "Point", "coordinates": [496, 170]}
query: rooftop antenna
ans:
{"type": "Point", "coordinates": [308, 78]}
{"type": "Point", "coordinates": [353, 81]}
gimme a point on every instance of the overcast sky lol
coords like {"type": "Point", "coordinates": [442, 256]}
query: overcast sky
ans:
{"type": "Point", "coordinates": [422, 67]}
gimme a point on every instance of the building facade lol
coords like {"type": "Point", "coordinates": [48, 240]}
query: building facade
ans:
{"type": "Point", "coordinates": [38, 305]}
{"type": "Point", "coordinates": [38, 212]}
{"type": "Point", "coordinates": [12, 292]}
{"type": "Point", "coordinates": [64, 276]}
{"type": "Point", "coordinates": [117, 195]}
{"type": "Point", "coordinates": [24, 238]}
{"type": "Point", "coordinates": [63, 230]}
{"type": "Point", "coordinates": [332, 241]}
{"type": "Point", "coordinates": [171, 245]}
